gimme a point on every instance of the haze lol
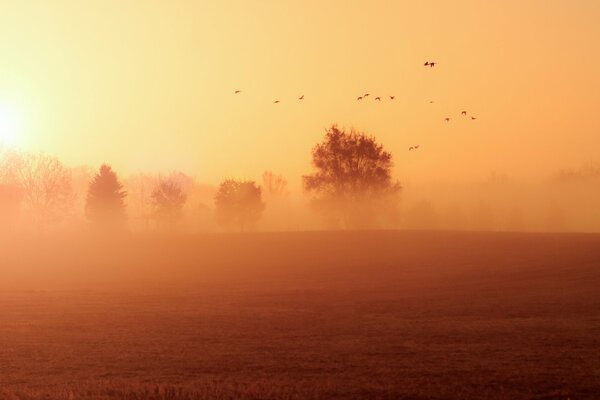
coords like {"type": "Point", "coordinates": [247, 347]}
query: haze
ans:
{"type": "Point", "coordinates": [148, 85]}
{"type": "Point", "coordinates": [274, 199]}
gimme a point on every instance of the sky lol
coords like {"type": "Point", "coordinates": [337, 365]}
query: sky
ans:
{"type": "Point", "coordinates": [149, 85]}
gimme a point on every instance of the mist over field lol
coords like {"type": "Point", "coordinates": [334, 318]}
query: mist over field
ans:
{"type": "Point", "coordinates": [285, 200]}
{"type": "Point", "coordinates": [36, 199]}
{"type": "Point", "coordinates": [370, 314]}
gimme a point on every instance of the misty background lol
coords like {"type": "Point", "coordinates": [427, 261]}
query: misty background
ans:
{"type": "Point", "coordinates": [53, 199]}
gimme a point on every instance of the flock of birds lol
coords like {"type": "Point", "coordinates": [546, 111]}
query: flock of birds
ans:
{"type": "Point", "coordinates": [376, 98]}
{"type": "Point", "coordinates": [429, 64]}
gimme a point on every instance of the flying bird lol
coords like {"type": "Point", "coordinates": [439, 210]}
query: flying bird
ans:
{"type": "Point", "coordinates": [430, 101]}
{"type": "Point", "coordinates": [431, 64]}
{"type": "Point", "coordinates": [473, 118]}
{"type": "Point", "coordinates": [378, 98]}
{"type": "Point", "coordinates": [447, 119]}
{"type": "Point", "coordinates": [426, 64]}
{"type": "Point", "coordinates": [413, 147]}
{"type": "Point", "coordinates": [237, 91]}
{"type": "Point", "coordinates": [392, 97]}
{"type": "Point", "coordinates": [276, 101]}
{"type": "Point", "coordinates": [301, 97]}
{"type": "Point", "coordinates": [359, 98]}
{"type": "Point", "coordinates": [463, 113]}
{"type": "Point", "coordinates": [366, 95]}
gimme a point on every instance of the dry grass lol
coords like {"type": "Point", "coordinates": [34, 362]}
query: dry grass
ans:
{"type": "Point", "coordinates": [379, 315]}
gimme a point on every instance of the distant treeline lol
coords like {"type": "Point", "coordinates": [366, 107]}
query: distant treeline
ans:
{"type": "Point", "coordinates": [350, 187]}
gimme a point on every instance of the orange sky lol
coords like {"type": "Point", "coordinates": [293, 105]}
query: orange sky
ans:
{"type": "Point", "coordinates": [148, 85]}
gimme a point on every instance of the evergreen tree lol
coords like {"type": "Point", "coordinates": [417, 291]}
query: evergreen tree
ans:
{"type": "Point", "coordinates": [105, 206]}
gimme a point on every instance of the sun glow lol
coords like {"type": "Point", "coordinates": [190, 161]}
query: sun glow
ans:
{"type": "Point", "coordinates": [10, 126]}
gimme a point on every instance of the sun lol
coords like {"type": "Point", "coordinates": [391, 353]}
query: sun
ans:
{"type": "Point", "coordinates": [10, 125]}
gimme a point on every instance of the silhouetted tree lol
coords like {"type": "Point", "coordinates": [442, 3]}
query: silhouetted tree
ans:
{"type": "Point", "coordinates": [273, 185]}
{"type": "Point", "coordinates": [43, 184]}
{"type": "Point", "coordinates": [11, 164]}
{"type": "Point", "coordinates": [239, 203]}
{"type": "Point", "coordinates": [586, 173]}
{"type": "Point", "coordinates": [168, 200]}
{"type": "Point", "coordinates": [353, 179]}
{"type": "Point", "coordinates": [279, 213]}
{"type": "Point", "coordinates": [105, 206]}
{"type": "Point", "coordinates": [141, 207]}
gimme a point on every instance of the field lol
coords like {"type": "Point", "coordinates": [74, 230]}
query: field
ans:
{"type": "Point", "coordinates": [319, 315]}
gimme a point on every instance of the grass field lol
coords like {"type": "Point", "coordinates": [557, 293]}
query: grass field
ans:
{"type": "Point", "coordinates": [351, 315]}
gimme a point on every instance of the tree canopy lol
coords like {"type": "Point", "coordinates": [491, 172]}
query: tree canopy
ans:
{"type": "Point", "coordinates": [239, 203]}
{"type": "Point", "coordinates": [352, 172]}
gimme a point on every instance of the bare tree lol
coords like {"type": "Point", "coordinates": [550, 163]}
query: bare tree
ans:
{"type": "Point", "coordinates": [139, 199]}
{"type": "Point", "coordinates": [45, 185]}
{"type": "Point", "coordinates": [168, 199]}
{"type": "Point", "coordinates": [274, 186]}
{"type": "Point", "coordinates": [239, 203]}
{"type": "Point", "coordinates": [105, 206]}
{"type": "Point", "coordinates": [11, 164]}
{"type": "Point", "coordinates": [141, 207]}
{"type": "Point", "coordinates": [352, 181]}
{"type": "Point", "coordinates": [586, 173]}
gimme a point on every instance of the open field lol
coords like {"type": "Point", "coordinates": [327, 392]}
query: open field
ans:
{"type": "Point", "coordinates": [351, 315]}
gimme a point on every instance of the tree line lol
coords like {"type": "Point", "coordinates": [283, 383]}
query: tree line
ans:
{"type": "Point", "coordinates": [351, 187]}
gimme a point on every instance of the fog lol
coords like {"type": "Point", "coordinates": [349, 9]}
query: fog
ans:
{"type": "Point", "coordinates": [38, 194]}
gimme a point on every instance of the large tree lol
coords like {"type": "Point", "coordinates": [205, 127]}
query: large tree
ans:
{"type": "Point", "coordinates": [239, 203]}
{"type": "Point", "coordinates": [353, 179]}
{"type": "Point", "coordinates": [105, 206]}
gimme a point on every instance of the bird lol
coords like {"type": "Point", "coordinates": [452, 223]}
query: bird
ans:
{"type": "Point", "coordinates": [301, 97]}
{"type": "Point", "coordinates": [359, 98]}
{"type": "Point", "coordinates": [417, 146]}
{"type": "Point", "coordinates": [366, 95]}
{"type": "Point", "coordinates": [431, 64]}
{"type": "Point", "coordinates": [463, 113]}
{"type": "Point", "coordinates": [413, 147]}
{"type": "Point", "coordinates": [392, 97]}
{"type": "Point", "coordinates": [447, 119]}
{"type": "Point", "coordinates": [276, 101]}
{"type": "Point", "coordinates": [237, 91]}
{"type": "Point", "coordinates": [430, 101]}
{"type": "Point", "coordinates": [426, 64]}
{"type": "Point", "coordinates": [378, 98]}
{"type": "Point", "coordinates": [473, 118]}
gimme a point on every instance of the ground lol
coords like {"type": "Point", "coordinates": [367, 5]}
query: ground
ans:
{"type": "Point", "coordinates": [342, 315]}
